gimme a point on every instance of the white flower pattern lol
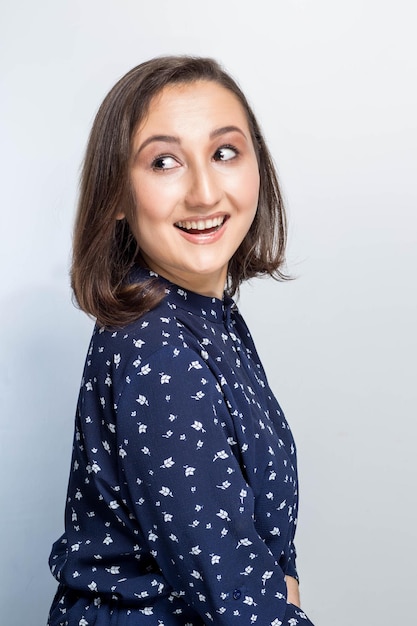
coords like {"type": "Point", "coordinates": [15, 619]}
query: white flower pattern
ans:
{"type": "Point", "coordinates": [185, 513]}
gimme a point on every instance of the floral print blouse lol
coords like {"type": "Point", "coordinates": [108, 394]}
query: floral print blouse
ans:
{"type": "Point", "coordinates": [182, 497]}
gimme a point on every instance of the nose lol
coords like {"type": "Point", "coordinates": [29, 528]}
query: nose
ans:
{"type": "Point", "coordinates": [203, 189]}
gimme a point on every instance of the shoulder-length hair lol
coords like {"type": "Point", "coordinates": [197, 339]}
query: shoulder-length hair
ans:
{"type": "Point", "coordinates": [104, 248]}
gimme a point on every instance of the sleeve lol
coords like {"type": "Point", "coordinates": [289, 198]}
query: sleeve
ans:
{"type": "Point", "coordinates": [189, 494]}
{"type": "Point", "coordinates": [291, 569]}
{"type": "Point", "coordinates": [287, 560]}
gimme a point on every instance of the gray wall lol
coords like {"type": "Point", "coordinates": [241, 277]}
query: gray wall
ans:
{"type": "Point", "coordinates": [334, 86]}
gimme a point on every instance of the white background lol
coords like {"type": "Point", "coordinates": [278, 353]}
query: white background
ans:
{"type": "Point", "coordinates": [334, 85]}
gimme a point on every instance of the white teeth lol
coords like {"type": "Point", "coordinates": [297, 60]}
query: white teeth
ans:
{"type": "Point", "coordinates": [201, 224]}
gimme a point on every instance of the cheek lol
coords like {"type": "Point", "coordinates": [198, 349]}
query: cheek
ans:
{"type": "Point", "coordinates": [249, 189]}
{"type": "Point", "coordinates": [154, 200]}
{"type": "Point", "coordinates": [244, 188]}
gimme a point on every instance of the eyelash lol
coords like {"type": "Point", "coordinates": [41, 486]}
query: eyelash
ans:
{"type": "Point", "coordinates": [161, 157]}
{"type": "Point", "coordinates": [228, 147]}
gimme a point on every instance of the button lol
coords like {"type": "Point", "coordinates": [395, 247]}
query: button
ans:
{"type": "Point", "coordinates": [237, 594]}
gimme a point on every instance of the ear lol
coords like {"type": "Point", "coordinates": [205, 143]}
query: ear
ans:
{"type": "Point", "coordinates": [120, 216]}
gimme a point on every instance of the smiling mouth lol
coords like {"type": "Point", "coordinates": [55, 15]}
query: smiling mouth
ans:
{"type": "Point", "coordinates": [200, 226]}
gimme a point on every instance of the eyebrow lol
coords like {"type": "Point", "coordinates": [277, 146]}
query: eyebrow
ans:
{"type": "Point", "coordinates": [173, 139]}
{"type": "Point", "coordinates": [226, 129]}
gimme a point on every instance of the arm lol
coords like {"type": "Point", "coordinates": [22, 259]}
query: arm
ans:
{"type": "Point", "coordinates": [188, 492]}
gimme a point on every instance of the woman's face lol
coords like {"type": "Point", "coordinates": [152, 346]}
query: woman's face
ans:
{"type": "Point", "coordinates": [195, 183]}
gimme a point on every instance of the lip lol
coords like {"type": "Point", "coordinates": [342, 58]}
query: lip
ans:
{"type": "Point", "coordinates": [203, 230]}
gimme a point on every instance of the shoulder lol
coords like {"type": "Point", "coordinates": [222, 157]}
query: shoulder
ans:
{"type": "Point", "coordinates": [158, 336]}
{"type": "Point", "coordinates": [149, 333]}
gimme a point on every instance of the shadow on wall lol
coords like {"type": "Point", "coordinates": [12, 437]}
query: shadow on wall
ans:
{"type": "Point", "coordinates": [43, 340]}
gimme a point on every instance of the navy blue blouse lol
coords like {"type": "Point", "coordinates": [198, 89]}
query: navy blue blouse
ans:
{"type": "Point", "coordinates": [182, 498]}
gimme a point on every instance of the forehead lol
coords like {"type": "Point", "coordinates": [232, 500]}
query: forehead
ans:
{"type": "Point", "coordinates": [200, 104]}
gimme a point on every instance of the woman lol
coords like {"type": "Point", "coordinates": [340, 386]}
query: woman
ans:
{"type": "Point", "coordinates": [182, 499]}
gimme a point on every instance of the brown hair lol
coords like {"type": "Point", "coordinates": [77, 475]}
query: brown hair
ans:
{"type": "Point", "coordinates": [104, 248]}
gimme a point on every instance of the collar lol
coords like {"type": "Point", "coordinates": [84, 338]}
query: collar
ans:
{"type": "Point", "coordinates": [212, 309]}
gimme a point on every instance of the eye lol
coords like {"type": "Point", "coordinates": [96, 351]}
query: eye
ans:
{"type": "Point", "coordinates": [225, 153]}
{"type": "Point", "coordinates": [164, 162]}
